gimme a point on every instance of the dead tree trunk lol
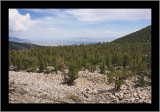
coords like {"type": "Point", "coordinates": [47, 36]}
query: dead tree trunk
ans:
{"type": "Point", "coordinates": [63, 70]}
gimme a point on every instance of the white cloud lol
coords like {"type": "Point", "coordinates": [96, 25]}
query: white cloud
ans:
{"type": "Point", "coordinates": [110, 14]}
{"type": "Point", "coordinates": [115, 34]}
{"type": "Point", "coordinates": [51, 27]}
{"type": "Point", "coordinates": [53, 33]}
{"type": "Point", "coordinates": [55, 12]}
{"type": "Point", "coordinates": [97, 14]}
{"type": "Point", "coordinates": [18, 22]}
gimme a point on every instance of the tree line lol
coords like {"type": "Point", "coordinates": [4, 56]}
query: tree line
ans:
{"type": "Point", "coordinates": [129, 58]}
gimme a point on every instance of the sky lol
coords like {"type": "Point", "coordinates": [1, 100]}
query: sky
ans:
{"type": "Point", "coordinates": [52, 25]}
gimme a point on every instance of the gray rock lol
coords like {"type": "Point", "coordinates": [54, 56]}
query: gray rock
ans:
{"type": "Point", "coordinates": [90, 86]}
{"type": "Point", "coordinates": [113, 97]}
{"type": "Point", "coordinates": [135, 94]}
{"type": "Point", "coordinates": [85, 95]}
{"type": "Point", "coordinates": [132, 99]}
{"type": "Point", "coordinates": [141, 96]}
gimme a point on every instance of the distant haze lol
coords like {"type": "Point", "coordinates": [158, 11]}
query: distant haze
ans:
{"type": "Point", "coordinates": [66, 26]}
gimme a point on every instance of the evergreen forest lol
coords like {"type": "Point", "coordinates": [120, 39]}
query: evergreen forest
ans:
{"type": "Point", "coordinates": [124, 57]}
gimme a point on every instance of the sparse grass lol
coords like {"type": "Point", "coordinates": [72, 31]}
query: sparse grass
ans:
{"type": "Point", "coordinates": [75, 98]}
{"type": "Point", "coordinates": [32, 94]}
{"type": "Point", "coordinates": [57, 99]}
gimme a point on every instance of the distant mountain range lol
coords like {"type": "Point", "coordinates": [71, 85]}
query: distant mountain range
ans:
{"type": "Point", "coordinates": [15, 39]}
{"type": "Point", "coordinates": [78, 40]}
{"type": "Point", "coordinates": [18, 45]}
{"type": "Point", "coordinates": [143, 35]}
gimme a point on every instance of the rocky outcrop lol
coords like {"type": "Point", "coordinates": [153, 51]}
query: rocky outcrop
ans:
{"type": "Point", "coordinates": [88, 88]}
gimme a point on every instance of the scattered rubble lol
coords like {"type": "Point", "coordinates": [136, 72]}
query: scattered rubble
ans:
{"type": "Point", "coordinates": [90, 87]}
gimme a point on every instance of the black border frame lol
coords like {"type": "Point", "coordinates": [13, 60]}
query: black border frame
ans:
{"type": "Point", "coordinates": [154, 5]}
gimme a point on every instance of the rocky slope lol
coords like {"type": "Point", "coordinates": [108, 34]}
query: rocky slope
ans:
{"type": "Point", "coordinates": [88, 88]}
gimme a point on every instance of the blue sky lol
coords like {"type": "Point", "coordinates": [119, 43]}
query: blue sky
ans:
{"type": "Point", "coordinates": [74, 24]}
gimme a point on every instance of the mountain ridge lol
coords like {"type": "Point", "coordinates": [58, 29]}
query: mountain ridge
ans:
{"type": "Point", "coordinates": [17, 45]}
{"type": "Point", "coordinates": [143, 35]}
{"type": "Point", "coordinates": [15, 39]}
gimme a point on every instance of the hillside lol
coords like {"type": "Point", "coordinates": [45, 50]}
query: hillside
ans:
{"type": "Point", "coordinates": [89, 88]}
{"type": "Point", "coordinates": [115, 72]}
{"type": "Point", "coordinates": [17, 45]}
{"type": "Point", "coordinates": [15, 39]}
{"type": "Point", "coordinates": [143, 35]}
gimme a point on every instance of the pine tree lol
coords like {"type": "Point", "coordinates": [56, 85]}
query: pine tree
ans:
{"type": "Point", "coordinates": [118, 76]}
{"type": "Point", "coordinates": [102, 67]}
{"type": "Point", "coordinates": [31, 64]}
{"type": "Point", "coordinates": [133, 55]}
{"type": "Point", "coordinates": [108, 61]}
{"type": "Point", "coordinates": [126, 60]}
{"type": "Point", "coordinates": [141, 80]}
{"type": "Point", "coordinates": [73, 72]}
{"type": "Point", "coordinates": [42, 64]}
{"type": "Point", "coordinates": [54, 60]}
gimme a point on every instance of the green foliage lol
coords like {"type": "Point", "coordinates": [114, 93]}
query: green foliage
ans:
{"type": "Point", "coordinates": [141, 80]}
{"type": "Point", "coordinates": [47, 71]}
{"type": "Point", "coordinates": [119, 83]}
{"type": "Point", "coordinates": [87, 64]}
{"type": "Point", "coordinates": [149, 73]}
{"type": "Point", "coordinates": [130, 52]}
{"type": "Point", "coordinates": [108, 60]}
{"type": "Point", "coordinates": [30, 62]}
{"type": "Point", "coordinates": [73, 72]}
{"type": "Point", "coordinates": [126, 60]}
{"type": "Point", "coordinates": [18, 62]}
{"type": "Point", "coordinates": [118, 76]}
{"type": "Point", "coordinates": [143, 35]}
{"type": "Point", "coordinates": [31, 69]}
{"type": "Point", "coordinates": [42, 64]}
{"type": "Point", "coordinates": [111, 68]}
{"type": "Point", "coordinates": [92, 68]}
{"type": "Point", "coordinates": [102, 67]}
{"type": "Point", "coordinates": [57, 63]}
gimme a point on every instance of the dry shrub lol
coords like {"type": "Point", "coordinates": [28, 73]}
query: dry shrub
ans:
{"type": "Point", "coordinates": [75, 98]}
